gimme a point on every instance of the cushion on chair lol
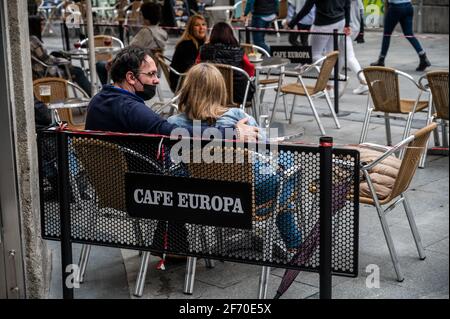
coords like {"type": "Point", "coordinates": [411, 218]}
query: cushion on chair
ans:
{"type": "Point", "coordinates": [383, 175]}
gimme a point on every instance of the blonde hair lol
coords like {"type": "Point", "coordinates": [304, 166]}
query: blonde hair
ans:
{"type": "Point", "coordinates": [188, 33]}
{"type": "Point", "coordinates": [203, 93]}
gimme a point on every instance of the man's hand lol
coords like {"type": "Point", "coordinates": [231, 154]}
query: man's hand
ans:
{"type": "Point", "coordinates": [348, 31]}
{"type": "Point", "coordinates": [245, 132]}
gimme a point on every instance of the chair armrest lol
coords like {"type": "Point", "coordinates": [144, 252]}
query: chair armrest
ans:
{"type": "Point", "coordinates": [410, 78]}
{"type": "Point", "coordinates": [377, 147]}
{"type": "Point", "coordinates": [388, 153]}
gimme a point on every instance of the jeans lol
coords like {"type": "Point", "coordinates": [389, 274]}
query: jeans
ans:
{"type": "Point", "coordinates": [267, 182]}
{"type": "Point", "coordinates": [259, 37]}
{"type": "Point", "coordinates": [403, 13]}
{"type": "Point", "coordinates": [80, 78]}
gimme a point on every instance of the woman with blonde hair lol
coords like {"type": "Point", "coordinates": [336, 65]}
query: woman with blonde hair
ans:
{"type": "Point", "coordinates": [203, 97]}
{"type": "Point", "coordinates": [187, 48]}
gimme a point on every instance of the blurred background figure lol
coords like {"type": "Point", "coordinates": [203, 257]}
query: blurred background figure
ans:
{"type": "Point", "coordinates": [294, 7]}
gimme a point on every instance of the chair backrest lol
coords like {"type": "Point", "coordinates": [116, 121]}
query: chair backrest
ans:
{"type": "Point", "coordinates": [325, 71]}
{"type": "Point", "coordinates": [438, 82]}
{"type": "Point", "coordinates": [59, 92]}
{"type": "Point", "coordinates": [103, 170]}
{"type": "Point", "coordinates": [227, 73]}
{"type": "Point", "coordinates": [236, 168]}
{"type": "Point", "coordinates": [411, 160]}
{"type": "Point", "coordinates": [162, 64]}
{"type": "Point", "coordinates": [99, 41]}
{"type": "Point", "coordinates": [251, 48]}
{"type": "Point", "coordinates": [384, 88]}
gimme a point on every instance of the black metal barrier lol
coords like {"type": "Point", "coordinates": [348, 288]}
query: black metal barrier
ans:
{"type": "Point", "coordinates": [335, 34]}
{"type": "Point", "coordinates": [273, 201]}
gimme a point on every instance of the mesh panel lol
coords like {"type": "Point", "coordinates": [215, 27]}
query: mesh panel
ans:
{"type": "Point", "coordinates": [285, 201]}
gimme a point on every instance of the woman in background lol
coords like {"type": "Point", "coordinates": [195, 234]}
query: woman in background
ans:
{"type": "Point", "coordinates": [187, 48]}
{"type": "Point", "coordinates": [224, 48]}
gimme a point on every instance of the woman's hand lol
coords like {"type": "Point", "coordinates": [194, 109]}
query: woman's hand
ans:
{"type": "Point", "coordinates": [245, 132]}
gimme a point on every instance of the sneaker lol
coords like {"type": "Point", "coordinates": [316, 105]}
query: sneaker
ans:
{"type": "Point", "coordinates": [361, 89]}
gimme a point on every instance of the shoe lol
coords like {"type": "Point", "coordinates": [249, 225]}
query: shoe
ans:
{"type": "Point", "coordinates": [361, 89]}
{"type": "Point", "coordinates": [379, 62]}
{"type": "Point", "coordinates": [424, 63]}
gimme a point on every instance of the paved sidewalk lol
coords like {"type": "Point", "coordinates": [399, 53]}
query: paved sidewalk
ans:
{"type": "Point", "coordinates": [112, 272]}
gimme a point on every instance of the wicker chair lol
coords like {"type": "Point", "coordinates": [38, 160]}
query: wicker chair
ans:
{"type": "Point", "coordinates": [372, 194]}
{"type": "Point", "coordinates": [438, 85]}
{"type": "Point", "coordinates": [228, 73]}
{"type": "Point", "coordinates": [59, 92]}
{"type": "Point", "coordinates": [99, 41]}
{"type": "Point", "coordinates": [111, 164]}
{"type": "Point", "coordinates": [384, 90]}
{"type": "Point", "coordinates": [311, 92]}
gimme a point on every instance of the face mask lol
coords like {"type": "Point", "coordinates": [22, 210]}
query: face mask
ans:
{"type": "Point", "coordinates": [148, 93]}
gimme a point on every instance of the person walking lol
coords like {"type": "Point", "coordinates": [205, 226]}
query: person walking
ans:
{"type": "Point", "coordinates": [400, 11]}
{"type": "Point", "coordinates": [330, 15]}
{"type": "Point", "coordinates": [263, 14]}
{"type": "Point", "coordinates": [294, 6]}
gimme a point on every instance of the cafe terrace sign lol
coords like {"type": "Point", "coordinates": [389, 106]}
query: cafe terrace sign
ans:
{"type": "Point", "coordinates": [189, 200]}
{"type": "Point", "coordinates": [296, 54]}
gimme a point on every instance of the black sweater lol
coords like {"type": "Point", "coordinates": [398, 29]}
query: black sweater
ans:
{"type": "Point", "coordinates": [327, 12]}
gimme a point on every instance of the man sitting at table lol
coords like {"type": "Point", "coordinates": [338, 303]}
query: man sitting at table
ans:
{"type": "Point", "coordinates": [120, 107]}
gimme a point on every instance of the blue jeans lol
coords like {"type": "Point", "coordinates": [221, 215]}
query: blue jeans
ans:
{"type": "Point", "coordinates": [403, 13]}
{"type": "Point", "coordinates": [259, 37]}
{"type": "Point", "coordinates": [267, 182]}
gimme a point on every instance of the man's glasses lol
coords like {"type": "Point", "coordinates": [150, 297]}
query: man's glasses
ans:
{"type": "Point", "coordinates": [153, 74]}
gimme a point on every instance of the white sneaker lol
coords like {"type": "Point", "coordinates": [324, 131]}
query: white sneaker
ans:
{"type": "Point", "coordinates": [361, 89]}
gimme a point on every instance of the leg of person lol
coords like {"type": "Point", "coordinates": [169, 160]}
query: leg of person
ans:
{"type": "Point", "coordinates": [354, 65]}
{"type": "Point", "coordinates": [390, 21]}
{"type": "Point", "coordinates": [100, 66]}
{"type": "Point", "coordinates": [81, 79]}
{"type": "Point", "coordinates": [406, 22]}
{"type": "Point", "coordinates": [304, 36]}
{"type": "Point", "coordinates": [259, 37]}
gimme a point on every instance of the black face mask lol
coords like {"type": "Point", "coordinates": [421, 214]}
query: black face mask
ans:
{"type": "Point", "coordinates": [148, 93]}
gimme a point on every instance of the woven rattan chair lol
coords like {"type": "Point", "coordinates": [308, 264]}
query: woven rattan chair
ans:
{"type": "Point", "coordinates": [384, 90]}
{"type": "Point", "coordinates": [60, 92]}
{"type": "Point", "coordinates": [163, 64]}
{"type": "Point", "coordinates": [372, 194]}
{"type": "Point", "coordinates": [311, 92]}
{"type": "Point", "coordinates": [438, 85]}
{"type": "Point", "coordinates": [111, 164]}
{"type": "Point", "coordinates": [99, 41]}
{"type": "Point", "coordinates": [228, 73]}
{"type": "Point", "coordinates": [242, 171]}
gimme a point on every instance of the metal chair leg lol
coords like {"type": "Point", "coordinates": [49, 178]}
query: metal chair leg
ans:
{"type": "Point", "coordinates": [82, 263]}
{"type": "Point", "coordinates": [333, 113]}
{"type": "Point", "coordinates": [140, 281]}
{"type": "Point", "coordinates": [390, 243]}
{"type": "Point", "coordinates": [387, 122]}
{"type": "Point", "coordinates": [292, 109]}
{"type": "Point", "coordinates": [316, 115]}
{"type": "Point", "coordinates": [406, 132]}
{"type": "Point", "coordinates": [190, 275]}
{"type": "Point", "coordinates": [413, 226]}
{"type": "Point", "coordinates": [365, 127]}
{"type": "Point", "coordinates": [423, 159]}
{"type": "Point", "coordinates": [444, 133]}
{"type": "Point", "coordinates": [263, 281]}
{"type": "Point", "coordinates": [286, 111]}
